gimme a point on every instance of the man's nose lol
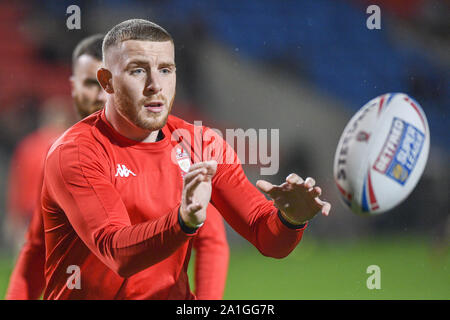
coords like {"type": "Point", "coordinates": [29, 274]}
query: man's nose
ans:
{"type": "Point", "coordinates": [153, 84]}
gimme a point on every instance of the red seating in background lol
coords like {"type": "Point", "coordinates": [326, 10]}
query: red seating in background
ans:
{"type": "Point", "coordinates": [21, 71]}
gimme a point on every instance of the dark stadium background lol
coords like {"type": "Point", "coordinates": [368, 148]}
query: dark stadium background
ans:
{"type": "Point", "coordinates": [303, 67]}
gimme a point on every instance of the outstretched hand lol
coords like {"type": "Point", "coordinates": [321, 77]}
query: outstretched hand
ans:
{"type": "Point", "coordinates": [297, 199]}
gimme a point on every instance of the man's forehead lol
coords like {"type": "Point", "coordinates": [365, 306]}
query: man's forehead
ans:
{"type": "Point", "coordinates": [144, 49]}
{"type": "Point", "coordinates": [86, 63]}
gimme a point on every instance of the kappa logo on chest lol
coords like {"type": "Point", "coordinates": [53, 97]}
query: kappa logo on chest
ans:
{"type": "Point", "coordinates": [123, 171]}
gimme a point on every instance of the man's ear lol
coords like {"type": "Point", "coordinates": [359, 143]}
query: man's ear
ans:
{"type": "Point", "coordinates": [104, 77]}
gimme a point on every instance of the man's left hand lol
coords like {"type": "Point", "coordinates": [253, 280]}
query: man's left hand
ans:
{"type": "Point", "coordinates": [297, 199]}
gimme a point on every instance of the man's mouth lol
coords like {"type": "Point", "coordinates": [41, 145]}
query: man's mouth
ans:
{"type": "Point", "coordinates": [155, 106]}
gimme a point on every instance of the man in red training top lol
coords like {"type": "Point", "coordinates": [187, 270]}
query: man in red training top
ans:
{"type": "Point", "coordinates": [26, 167]}
{"type": "Point", "coordinates": [27, 280]}
{"type": "Point", "coordinates": [119, 214]}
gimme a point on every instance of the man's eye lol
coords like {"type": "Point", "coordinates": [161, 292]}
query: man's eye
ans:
{"type": "Point", "coordinates": [137, 71]}
{"type": "Point", "coordinates": [166, 70]}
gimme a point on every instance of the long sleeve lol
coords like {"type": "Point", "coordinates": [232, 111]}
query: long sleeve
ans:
{"type": "Point", "coordinates": [78, 181]}
{"type": "Point", "coordinates": [244, 207]}
{"type": "Point", "coordinates": [27, 280]}
{"type": "Point", "coordinates": [211, 257]}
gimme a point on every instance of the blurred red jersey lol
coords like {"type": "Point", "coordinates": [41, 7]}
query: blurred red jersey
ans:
{"type": "Point", "coordinates": [25, 175]}
{"type": "Point", "coordinates": [110, 209]}
{"type": "Point", "coordinates": [27, 279]}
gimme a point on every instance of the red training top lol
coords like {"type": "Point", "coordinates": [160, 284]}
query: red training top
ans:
{"type": "Point", "coordinates": [110, 208]}
{"type": "Point", "coordinates": [27, 281]}
{"type": "Point", "coordinates": [25, 174]}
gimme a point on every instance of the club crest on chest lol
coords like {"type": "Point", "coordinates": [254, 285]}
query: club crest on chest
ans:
{"type": "Point", "coordinates": [183, 160]}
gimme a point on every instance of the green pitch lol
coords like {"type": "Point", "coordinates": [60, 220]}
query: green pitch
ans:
{"type": "Point", "coordinates": [409, 269]}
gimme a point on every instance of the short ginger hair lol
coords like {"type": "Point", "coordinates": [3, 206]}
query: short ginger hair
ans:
{"type": "Point", "coordinates": [134, 29]}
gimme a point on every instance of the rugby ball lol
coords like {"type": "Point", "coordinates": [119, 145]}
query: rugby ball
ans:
{"type": "Point", "coordinates": [381, 154]}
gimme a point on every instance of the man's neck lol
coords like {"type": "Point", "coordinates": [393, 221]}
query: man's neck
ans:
{"type": "Point", "coordinates": [127, 129]}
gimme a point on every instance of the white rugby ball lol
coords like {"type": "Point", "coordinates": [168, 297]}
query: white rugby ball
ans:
{"type": "Point", "coordinates": [381, 154]}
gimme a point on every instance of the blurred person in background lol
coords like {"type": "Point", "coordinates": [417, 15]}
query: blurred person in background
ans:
{"type": "Point", "coordinates": [27, 165]}
{"type": "Point", "coordinates": [27, 280]}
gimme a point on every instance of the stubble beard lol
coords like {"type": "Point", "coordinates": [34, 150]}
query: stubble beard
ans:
{"type": "Point", "coordinates": [141, 117]}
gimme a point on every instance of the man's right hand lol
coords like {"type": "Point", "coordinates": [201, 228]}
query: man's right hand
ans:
{"type": "Point", "coordinates": [197, 192]}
